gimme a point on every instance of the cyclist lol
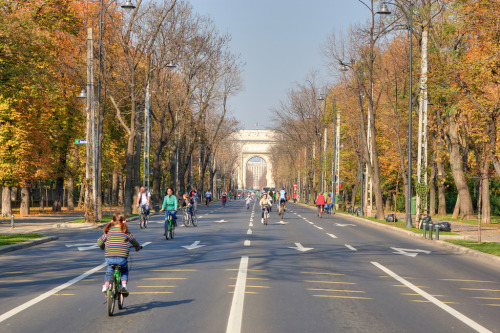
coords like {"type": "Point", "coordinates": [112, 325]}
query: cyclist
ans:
{"type": "Point", "coordinates": [264, 202]}
{"type": "Point", "coordinates": [144, 200]}
{"type": "Point", "coordinates": [248, 200]}
{"type": "Point", "coordinates": [115, 243]}
{"type": "Point", "coordinates": [194, 195]}
{"type": "Point", "coordinates": [170, 207]}
{"type": "Point", "coordinates": [320, 202]}
{"type": "Point", "coordinates": [224, 198]}
{"type": "Point", "coordinates": [282, 198]}
{"type": "Point", "coordinates": [295, 197]}
{"type": "Point", "coordinates": [188, 203]}
{"type": "Point", "coordinates": [208, 197]}
{"type": "Point", "coordinates": [270, 197]}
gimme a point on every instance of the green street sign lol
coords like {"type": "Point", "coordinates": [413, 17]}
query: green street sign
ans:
{"type": "Point", "coordinates": [80, 142]}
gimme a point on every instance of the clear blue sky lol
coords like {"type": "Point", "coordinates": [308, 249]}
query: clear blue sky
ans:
{"type": "Point", "coordinates": [280, 42]}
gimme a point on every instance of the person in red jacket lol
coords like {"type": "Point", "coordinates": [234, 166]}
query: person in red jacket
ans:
{"type": "Point", "coordinates": [320, 203]}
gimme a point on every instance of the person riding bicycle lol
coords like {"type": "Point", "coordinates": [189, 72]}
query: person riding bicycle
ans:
{"type": "Point", "coordinates": [224, 198]}
{"type": "Point", "coordinates": [170, 207]}
{"type": "Point", "coordinates": [208, 197]}
{"type": "Point", "coordinates": [188, 203]}
{"type": "Point", "coordinates": [115, 243]}
{"type": "Point", "coordinates": [248, 200]}
{"type": "Point", "coordinates": [144, 200]}
{"type": "Point", "coordinates": [264, 202]}
{"type": "Point", "coordinates": [194, 195]}
{"type": "Point", "coordinates": [282, 198]}
{"type": "Point", "coordinates": [320, 202]}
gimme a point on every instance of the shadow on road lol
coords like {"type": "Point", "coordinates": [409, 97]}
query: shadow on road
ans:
{"type": "Point", "coordinates": [137, 308]}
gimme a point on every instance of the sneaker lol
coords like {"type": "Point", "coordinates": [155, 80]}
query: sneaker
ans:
{"type": "Point", "coordinates": [124, 291]}
{"type": "Point", "coordinates": [104, 288]}
{"type": "Point", "coordinates": [262, 221]}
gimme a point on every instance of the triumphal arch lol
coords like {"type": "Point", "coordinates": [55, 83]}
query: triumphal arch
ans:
{"type": "Point", "coordinates": [254, 162]}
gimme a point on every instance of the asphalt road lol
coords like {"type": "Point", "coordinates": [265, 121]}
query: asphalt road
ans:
{"type": "Point", "coordinates": [306, 275]}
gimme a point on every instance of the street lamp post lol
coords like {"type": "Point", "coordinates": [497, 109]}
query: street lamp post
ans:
{"type": "Point", "coordinates": [97, 125]}
{"type": "Point", "coordinates": [383, 10]}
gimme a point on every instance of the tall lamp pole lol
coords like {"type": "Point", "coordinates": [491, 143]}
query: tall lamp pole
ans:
{"type": "Point", "coordinates": [383, 10]}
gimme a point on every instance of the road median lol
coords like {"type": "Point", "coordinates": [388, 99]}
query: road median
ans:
{"type": "Point", "coordinates": [24, 245]}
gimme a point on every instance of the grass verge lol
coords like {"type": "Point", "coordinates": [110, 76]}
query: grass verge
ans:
{"type": "Point", "coordinates": [105, 218]}
{"type": "Point", "coordinates": [486, 247]}
{"type": "Point", "coordinates": [402, 224]}
{"type": "Point", "coordinates": [18, 238]}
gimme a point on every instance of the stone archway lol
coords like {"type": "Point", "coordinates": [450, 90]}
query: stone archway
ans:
{"type": "Point", "coordinates": [254, 144]}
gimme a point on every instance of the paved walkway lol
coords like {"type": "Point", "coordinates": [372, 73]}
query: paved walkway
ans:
{"type": "Point", "coordinates": [32, 224]}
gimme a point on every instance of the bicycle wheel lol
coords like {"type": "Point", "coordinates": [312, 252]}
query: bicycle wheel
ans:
{"type": "Point", "coordinates": [185, 218]}
{"type": "Point", "coordinates": [121, 300]}
{"type": "Point", "coordinates": [265, 217]}
{"type": "Point", "coordinates": [194, 219]}
{"type": "Point", "coordinates": [111, 297]}
{"type": "Point", "coordinates": [141, 219]}
{"type": "Point", "coordinates": [167, 231]}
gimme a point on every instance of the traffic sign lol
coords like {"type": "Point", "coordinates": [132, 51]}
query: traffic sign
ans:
{"type": "Point", "coordinates": [294, 185]}
{"type": "Point", "coordinates": [80, 142]}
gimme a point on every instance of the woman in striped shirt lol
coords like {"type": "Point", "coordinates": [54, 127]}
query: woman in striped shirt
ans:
{"type": "Point", "coordinates": [115, 242]}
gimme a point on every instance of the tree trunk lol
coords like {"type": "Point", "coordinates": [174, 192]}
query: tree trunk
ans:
{"type": "Point", "coordinates": [129, 174]}
{"type": "Point", "coordinates": [114, 190]}
{"type": "Point", "coordinates": [441, 176]}
{"type": "Point", "coordinates": [71, 189]}
{"type": "Point", "coordinates": [25, 200]}
{"type": "Point", "coordinates": [121, 189]}
{"type": "Point", "coordinates": [58, 198]}
{"type": "Point", "coordinates": [137, 165]}
{"type": "Point", "coordinates": [80, 197]}
{"type": "Point", "coordinates": [485, 188]}
{"type": "Point", "coordinates": [41, 198]}
{"type": "Point", "coordinates": [388, 202]}
{"type": "Point", "coordinates": [456, 163]}
{"type": "Point", "coordinates": [6, 202]}
{"type": "Point", "coordinates": [156, 192]}
{"type": "Point", "coordinates": [432, 190]}
{"type": "Point", "coordinates": [456, 210]}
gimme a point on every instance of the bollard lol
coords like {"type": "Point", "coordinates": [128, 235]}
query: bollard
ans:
{"type": "Point", "coordinates": [430, 231]}
{"type": "Point", "coordinates": [425, 230]}
{"type": "Point", "coordinates": [12, 220]}
{"type": "Point", "coordinates": [437, 231]}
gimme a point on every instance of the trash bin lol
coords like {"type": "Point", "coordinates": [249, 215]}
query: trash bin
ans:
{"type": "Point", "coordinates": [413, 205]}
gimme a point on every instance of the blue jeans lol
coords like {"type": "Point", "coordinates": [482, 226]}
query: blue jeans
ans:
{"type": "Point", "coordinates": [116, 261]}
{"type": "Point", "coordinates": [174, 217]}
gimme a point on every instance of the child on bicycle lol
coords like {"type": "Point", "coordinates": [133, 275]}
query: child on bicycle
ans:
{"type": "Point", "coordinates": [248, 200]}
{"type": "Point", "coordinates": [188, 203]}
{"type": "Point", "coordinates": [264, 203]}
{"type": "Point", "coordinates": [115, 241]}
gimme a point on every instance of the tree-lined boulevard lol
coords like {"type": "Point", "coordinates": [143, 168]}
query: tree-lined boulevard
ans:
{"type": "Point", "coordinates": [353, 277]}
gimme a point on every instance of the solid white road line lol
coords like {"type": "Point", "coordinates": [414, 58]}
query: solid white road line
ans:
{"type": "Point", "coordinates": [236, 312]}
{"type": "Point", "coordinates": [466, 320]}
{"type": "Point", "coordinates": [332, 235]}
{"type": "Point", "coordinates": [246, 243]}
{"type": "Point", "coordinates": [49, 293]}
{"type": "Point", "coordinates": [350, 247]}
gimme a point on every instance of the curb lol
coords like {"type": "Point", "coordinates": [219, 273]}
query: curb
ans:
{"type": "Point", "coordinates": [457, 248]}
{"type": "Point", "coordinates": [24, 245]}
{"type": "Point", "coordinates": [89, 225]}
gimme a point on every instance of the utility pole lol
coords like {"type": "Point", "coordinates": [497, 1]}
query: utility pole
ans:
{"type": "Point", "coordinates": [368, 194]}
{"type": "Point", "coordinates": [147, 137]}
{"type": "Point", "coordinates": [90, 119]}
{"type": "Point", "coordinates": [337, 159]}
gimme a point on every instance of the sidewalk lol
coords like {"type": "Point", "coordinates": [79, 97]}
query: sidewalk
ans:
{"type": "Point", "coordinates": [469, 231]}
{"type": "Point", "coordinates": [32, 224]}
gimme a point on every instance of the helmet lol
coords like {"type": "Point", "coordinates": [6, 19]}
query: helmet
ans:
{"type": "Point", "coordinates": [282, 188]}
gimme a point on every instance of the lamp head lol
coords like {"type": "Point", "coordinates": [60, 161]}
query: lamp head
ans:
{"type": "Point", "coordinates": [384, 10]}
{"type": "Point", "coordinates": [83, 93]}
{"type": "Point", "coordinates": [128, 5]}
{"type": "Point", "coordinates": [171, 64]}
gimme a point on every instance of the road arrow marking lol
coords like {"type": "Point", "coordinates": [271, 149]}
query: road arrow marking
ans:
{"type": "Point", "coordinates": [332, 235]}
{"type": "Point", "coordinates": [300, 248]}
{"type": "Point", "coordinates": [221, 221]}
{"type": "Point", "coordinates": [246, 243]}
{"type": "Point", "coordinates": [193, 246]}
{"type": "Point", "coordinates": [350, 247]}
{"type": "Point", "coordinates": [404, 252]}
{"type": "Point", "coordinates": [93, 247]}
{"type": "Point", "coordinates": [81, 244]}
{"type": "Point", "coordinates": [249, 232]}
{"type": "Point", "coordinates": [251, 224]}
{"type": "Point", "coordinates": [344, 225]}
{"type": "Point", "coordinates": [282, 222]}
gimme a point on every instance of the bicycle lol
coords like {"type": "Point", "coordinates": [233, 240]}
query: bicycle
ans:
{"type": "Point", "coordinates": [190, 218]}
{"type": "Point", "coordinates": [266, 215]}
{"type": "Point", "coordinates": [169, 227]}
{"type": "Point", "coordinates": [143, 218]}
{"type": "Point", "coordinates": [282, 210]}
{"type": "Point", "coordinates": [114, 293]}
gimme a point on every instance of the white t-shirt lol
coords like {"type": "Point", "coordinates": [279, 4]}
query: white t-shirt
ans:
{"type": "Point", "coordinates": [144, 197]}
{"type": "Point", "coordinates": [208, 194]}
